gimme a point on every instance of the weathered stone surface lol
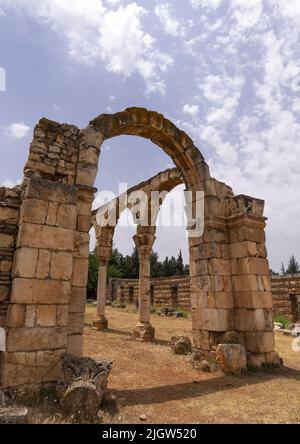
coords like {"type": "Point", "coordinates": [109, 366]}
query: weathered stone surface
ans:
{"type": "Point", "coordinates": [144, 332]}
{"type": "Point", "coordinates": [42, 236]}
{"type": "Point", "coordinates": [13, 415]}
{"type": "Point", "coordinates": [83, 385]}
{"type": "Point", "coordinates": [46, 315]}
{"type": "Point", "coordinates": [181, 345]}
{"type": "Point", "coordinates": [34, 291]}
{"type": "Point", "coordinates": [260, 342]}
{"type": "Point", "coordinates": [61, 266]}
{"type": "Point", "coordinates": [37, 338]}
{"type": "Point", "coordinates": [231, 358]}
{"type": "Point", "coordinates": [26, 263]}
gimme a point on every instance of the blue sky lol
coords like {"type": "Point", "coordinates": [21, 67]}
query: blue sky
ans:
{"type": "Point", "coordinates": [225, 71]}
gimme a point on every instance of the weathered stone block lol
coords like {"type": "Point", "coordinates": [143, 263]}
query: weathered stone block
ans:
{"type": "Point", "coordinates": [78, 300]}
{"type": "Point", "coordinates": [253, 299]}
{"type": "Point", "coordinates": [75, 323]}
{"type": "Point", "coordinates": [231, 358]}
{"type": "Point", "coordinates": [34, 211]}
{"type": "Point", "coordinates": [25, 263]}
{"type": "Point", "coordinates": [243, 249]}
{"type": "Point", "coordinates": [249, 320]}
{"type": "Point", "coordinates": [260, 342]}
{"type": "Point", "coordinates": [33, 291]}
{"type": "Point", "coordinates": [6, 240]}
{"type": "Point", "coordinates": [52, 213]}
{"type": "Point", "coordinates": [43, 265]}
{"type": "Point", "coordinates": [30, 316]}
{"type": "Point", "coordinates": [67, 216]}
{"type": "Point", "coordinates": [46, 315]}
{"type": "Point", "coordinates": [16, 315]}
{"type": "Point", "coordinates": [42, 236]}
{"type": "Point", "coordinates": [75, 345]}
{"type": "Point", "coordinates": [213, 319]}
{"type": "Point", "coordinates": [62, 315]}
{"type": "Point", "coordinates": [250, 265]}
{"type": "Point", "coordinates": [245, 283]}
{"type": "Point", "coordinates": [80, 272]}
{"type": "Point", "coordinates": [36, 339]}
{"type": "Point", "coordinates": [61, 266]}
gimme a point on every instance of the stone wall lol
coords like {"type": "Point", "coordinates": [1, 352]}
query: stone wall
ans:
{"type": "Point", "coordinates": [285, 292]}
{"type": "Point", "coordinates": [9, 218]}
{"type": "Point", "coordinates": [286, 296]}
{"type": "Point", "coordinates": [164, 291]}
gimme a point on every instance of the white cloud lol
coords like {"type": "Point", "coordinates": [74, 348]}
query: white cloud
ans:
{"type": "Point", "coordinates": [17, 130]}
{"type": "Point", "coordinates": [171, 24]}
{"type": "Point", "coordinates": [95, 33]}
{"type": "Point", "coordinates": [9, 183]}
{"type": "Point", "coordinates": [210, 4]}
{"type": "Point", "coordinates": [192, 110]}
{"type": "Point", "coordinates": [247, 12]}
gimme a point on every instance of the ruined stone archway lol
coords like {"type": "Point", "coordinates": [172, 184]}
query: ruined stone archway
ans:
{"type": "Point", "coordinates": [48, 246]}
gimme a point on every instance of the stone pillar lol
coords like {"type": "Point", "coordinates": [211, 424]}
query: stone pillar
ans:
{"type": "Point", "coordinates": [104, 236]}
{"type": "Point", "coordinates": [144, 240]}
{"type": "Point", "coordinates": [101, 323]}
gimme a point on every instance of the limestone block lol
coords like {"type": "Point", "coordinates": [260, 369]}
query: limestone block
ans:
{"type": "Point", "coordinates": [264, 283]}
{"type": "Point", "coordinates": [80, 272]}
{"type": "Point", "coordinates": [212, 319]}
{"type": "Point", "coordinates": [16, 374]}
{"type": "Point", "coordinates": [46, 315]}
{"type": "Point", "coordinates": [61, 266]}
{"type": "Point", "coordinates": [260, 342]}
{"type": "Point", "coordinates": [255, 360]}
{"type": "Point", "coordinates": [75, 345]}
{"type": "Point", "coordinates": [219, 267]}
{"type": "Point", "coordinates": [250, 265]}
{"type": "Point", "coordinates": [43, 265]}
{"type": "Point", "coordinates": [4, 292]}
{"type": "Point", "coordinates": [84, 224]}
{"type": "Point", "coordinates": [33, 291]}
{"type": "Point", "coordinates": [67, 216]}
{"type": "Point", "coordinates": [78, 300]}
{"type": "Point", "coordinates": [30, 316]}
{"type": "Point", "coordinates": [253, 299]}
{"type": "Point", "coordinates": [249, 320]}
{"type": "Point", "coordinates": [37, 338]}
{"type": "Point", "coordinates": [220, 299]}
{"type": "Point", "coordinates": [242, 249]}
{"type": "Point", "coordinates": [62, 315]}
{"type": "Point", "coordinates": [16, 315]}
{"type": "Point", "coordinates": [86, 175]}
{"type": "Point", "coordinates": [25, 263]}
{"type": "Point", "coordinates": [75, 323]}
{"type": "Point", "coordinates": [52, 213]}
{"type": "Point", "coordinates": [42, 236]}
{"type": "Point", "coordinates": [50, 191]}
{"type": "Point", "coordinates": [245, 283]}
{"type": "Point", "coordinates": [34, 211]}
{"type": "Point", "coordinates": [49, 365]}
{"type": "Point", "coordinates": [231, 358]}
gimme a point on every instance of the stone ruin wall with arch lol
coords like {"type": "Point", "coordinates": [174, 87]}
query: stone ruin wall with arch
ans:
{"type": "Point", "coordinates": [44, 248]}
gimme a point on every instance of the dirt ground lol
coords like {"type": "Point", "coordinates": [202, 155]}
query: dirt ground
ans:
{"type": "Point", "coordinates": [148, 379]}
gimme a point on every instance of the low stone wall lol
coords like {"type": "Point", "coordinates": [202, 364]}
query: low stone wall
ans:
{"type": "Point", "coordinates": [286, 296]}
{"type": "Point", "coordinates": [175, 291]}
{"type": "Point", "coordinates": [165, 292]}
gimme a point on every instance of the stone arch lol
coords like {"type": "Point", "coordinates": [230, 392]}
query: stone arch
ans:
{"type": "Point", "coordinates": [48, 244]}
{"type": "Point", "coordinates": [147, 124]}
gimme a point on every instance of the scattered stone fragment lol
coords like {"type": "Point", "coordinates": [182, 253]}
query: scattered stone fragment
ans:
{"type": "Point", "coordinates": [231, 358]}
{"type": "Point", "coordinates": [181, 345]}
{"type": "Point", "coordinates": [204, 366]}
{"type": "Point", "coordinates": [143, 417]}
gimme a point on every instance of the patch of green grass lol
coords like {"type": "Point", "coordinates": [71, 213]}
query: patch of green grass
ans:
{"type": "Point", "coordinates": [185, 313]}
{"type": "Point", "coordinates": [283, 320]}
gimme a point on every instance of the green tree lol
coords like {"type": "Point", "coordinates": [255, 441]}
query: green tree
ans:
{"type": "Point", "coordinates": [92, 276]}
{"type": "Point", "coordinates": [180, 265]}
{"type": "Point", "coordinates": [282, 270]}
{"type": "Point", "coordinates": [293, 267]}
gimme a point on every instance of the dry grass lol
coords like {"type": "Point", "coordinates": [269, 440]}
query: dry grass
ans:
{"type": "Point", "coordinates": [148, 379]}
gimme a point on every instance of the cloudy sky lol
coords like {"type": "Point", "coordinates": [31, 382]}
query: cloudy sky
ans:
{"type": "Point", "coordinates": [225, 71]}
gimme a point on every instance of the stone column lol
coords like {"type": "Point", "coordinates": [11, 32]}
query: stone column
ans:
{"type": "Point", "coordinates": [144, 240]}
{"type": "Point", "coordinates": [103, 251]}
{"type": "Point", "coordinates": [101, 323]}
